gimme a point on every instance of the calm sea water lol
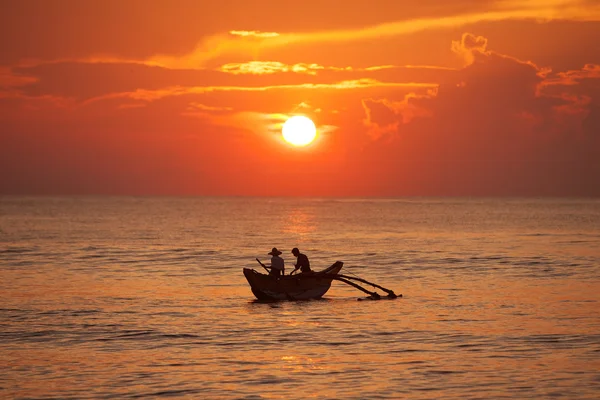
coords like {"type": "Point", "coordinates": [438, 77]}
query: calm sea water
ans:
{"type": "Point", "coordinates": [145, 297]}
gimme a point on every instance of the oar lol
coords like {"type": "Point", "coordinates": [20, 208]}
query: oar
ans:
{"type": "Point", "coordinates": [263, 265]}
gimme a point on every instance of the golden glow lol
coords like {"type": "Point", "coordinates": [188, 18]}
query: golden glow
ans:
{"type": "Point", "coordinates": [299, 130]}
{"type": "Point", "coordinates": [399, 95]}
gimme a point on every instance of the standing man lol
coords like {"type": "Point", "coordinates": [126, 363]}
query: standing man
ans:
{"type": "Point", "coordinates": [302, 262]}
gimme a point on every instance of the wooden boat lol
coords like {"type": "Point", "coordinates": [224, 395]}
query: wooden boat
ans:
{"type": "Point", "coordinates": [304, 286]}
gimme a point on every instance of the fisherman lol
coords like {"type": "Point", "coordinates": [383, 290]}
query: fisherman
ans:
{"type": "Point", "coordinates": [303, 264]}
{"type": "Point", "coordinates": [277, 264]}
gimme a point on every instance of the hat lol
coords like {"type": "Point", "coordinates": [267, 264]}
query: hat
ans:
{"type": "Point", "coordinates": [275, 252]}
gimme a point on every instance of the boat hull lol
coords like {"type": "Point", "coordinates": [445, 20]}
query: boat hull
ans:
{"type": "Point", "coordinates": [295, 287]}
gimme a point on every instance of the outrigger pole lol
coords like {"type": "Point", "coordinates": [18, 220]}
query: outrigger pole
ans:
{"type": "Point", "coordinates": [390, 293]}
{"type": "Point", "coordinates": [374, 295]}
{"type": "Point", "coordinates": [346, 280]}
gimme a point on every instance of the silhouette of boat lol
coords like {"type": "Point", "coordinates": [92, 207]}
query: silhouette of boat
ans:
{"type": "Point", "coordinates": [304, 286]}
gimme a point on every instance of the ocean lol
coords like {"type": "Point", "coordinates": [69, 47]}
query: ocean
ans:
{"type": "Point", "coordinates": [144, 297]}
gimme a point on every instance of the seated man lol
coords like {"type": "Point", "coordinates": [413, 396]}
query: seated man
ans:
{"type": "Point", "coordinates": [277, 263]}
{"type": "Point", "coordinates": [302, 262]}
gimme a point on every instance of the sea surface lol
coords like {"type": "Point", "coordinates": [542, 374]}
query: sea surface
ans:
{"type": "Point", "coordinates": [144, 297]}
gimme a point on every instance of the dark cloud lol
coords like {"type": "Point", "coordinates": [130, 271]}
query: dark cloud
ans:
{"type": "Point", "coordinates": [559, 45]}
{"type": "Point", "coordinates": [380, 116]}
{"type": "Point", "coordinates": [591, 123]}
{"type": "Point", "coordinates": [494, 131]}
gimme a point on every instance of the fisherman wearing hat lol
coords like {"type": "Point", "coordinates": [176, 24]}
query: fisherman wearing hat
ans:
{"type": "Point", "coordinates": [277, 264]}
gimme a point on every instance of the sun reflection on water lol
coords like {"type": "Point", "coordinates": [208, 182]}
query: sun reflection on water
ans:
{"type": "Point", "coordinates": [299, 221]}
{"type": "Point", "coordinates": [299, 364]}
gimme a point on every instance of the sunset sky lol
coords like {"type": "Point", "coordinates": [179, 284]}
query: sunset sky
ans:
{"type": "Point", "coordinates": [187, 97]}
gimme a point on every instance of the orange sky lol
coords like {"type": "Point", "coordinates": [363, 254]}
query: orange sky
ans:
{"type": "Point", "coordinates": [187, 97]}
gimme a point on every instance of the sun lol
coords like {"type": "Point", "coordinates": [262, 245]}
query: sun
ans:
{"type": "Point", "coordinates": [299, 130]}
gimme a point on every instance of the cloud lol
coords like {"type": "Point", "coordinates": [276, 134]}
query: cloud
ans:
{"type": "Point", "coordinates": [99, 89]}
{"type": "Point", "coordinates": [196, 109]}
{"type": "Point", "coordinates": [199, 106]}
{"type": "Point", "coordinates": [468, 46]}
{"type": "Point", "coordinates": [276, 67]}
{"type": "Point", "coordinates": [380, 118]}
{"type": "Point", "coordinates": [495, 130]}
{"type": "Point", "coordinates": [257, 34]}
{"type": "Point", "coordinates": [269, 67]}
{"type": "Point", "coordinates": [574, 77]}
{"type": "Point", "coordinates": [383, 117]}
{"type": "Point", "coordinates": [579, 88]}
{"type": "Point", "coordinates": [9, 79]}
{"type": "Point", "coordinates": [16, 106]}
{"type": "Point", "coordinates": [250, 43]}
{"type": "Point", "coordinates": [153, 95]}
{"type": "Point", "coordinates": [135, 37]}
{"type": "Point", "coordinates": [82, 81]}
